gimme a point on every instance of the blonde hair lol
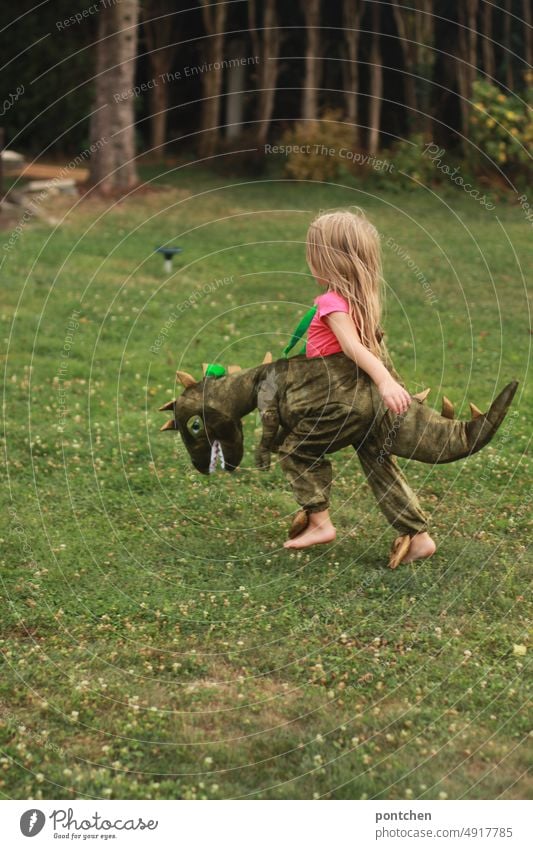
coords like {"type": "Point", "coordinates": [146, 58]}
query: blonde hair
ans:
{"type": "Point", "coordinates": [343, 249]}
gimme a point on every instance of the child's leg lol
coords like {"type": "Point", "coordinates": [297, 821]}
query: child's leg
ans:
{"type": "Point", "coordinates": [395, 498]}
{"type": "Point", "coordinates": [397, 501]}
{"type": "Point", "coordinates": [310, 478]}
{"type": "Point", "coordinates": [422, 546]}
{"type": "Point", "coordinates": [320, 529]}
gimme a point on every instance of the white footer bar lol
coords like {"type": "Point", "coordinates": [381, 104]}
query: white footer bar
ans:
{"type": "Point", "coordinates": [267, 824]}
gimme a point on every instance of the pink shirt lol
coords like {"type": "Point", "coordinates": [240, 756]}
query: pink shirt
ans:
{"type": "Point", "coordinates": [321, 340]}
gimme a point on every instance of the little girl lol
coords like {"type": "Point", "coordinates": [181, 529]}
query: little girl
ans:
{"type": "Point", "coordinates": [343, 254]}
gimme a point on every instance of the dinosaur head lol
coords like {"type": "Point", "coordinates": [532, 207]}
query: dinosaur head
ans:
{"type": "Point", "coordinates": [211, 436]}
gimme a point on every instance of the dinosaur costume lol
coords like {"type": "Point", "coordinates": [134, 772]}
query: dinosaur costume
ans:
{"type": "Point", "coordinates": [312, 407]}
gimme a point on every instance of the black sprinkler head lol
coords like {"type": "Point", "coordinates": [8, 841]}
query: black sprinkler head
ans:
{"type": "Point", "coordinates": [168, 253]}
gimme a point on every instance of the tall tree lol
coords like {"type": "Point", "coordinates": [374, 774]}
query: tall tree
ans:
{"type": "Point", "coordinates": [507, 34]}
{"type": "Point", "coordinates": [487, 43]}
{"type": "Point", "coordinates": [416, 29]}
{"type": "Point", "coordinates": [528, 44]}
{"type": "Point", "coordinates": [214, 17]}
{"type": "Point", "coordinates": [467, 58]}
{"type": "Point", "coordinates": [112, 128]}
{"type": "Point", "coordinates": [352, 13]}
{"type": "Point", "coordinates": [313, 63]}
{"type": "Point", "coordinates": [376, 83]}
{"type": "Point", "coordinates": [234, 90]}
{"type": "Point", "coordinates": [266, 41]}
{"type": "Point", "coordinates": [160, 31]}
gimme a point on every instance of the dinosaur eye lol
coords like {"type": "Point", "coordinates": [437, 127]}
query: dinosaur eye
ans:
{"type": "Point", "coordinates": [195, 425]}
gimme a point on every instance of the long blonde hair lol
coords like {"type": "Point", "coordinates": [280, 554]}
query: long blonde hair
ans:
{"type": "Point", "coordinates": [343, 249]}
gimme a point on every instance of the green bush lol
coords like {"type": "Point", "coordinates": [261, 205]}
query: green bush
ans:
{"type": "Point", "coordinates": [314, 149]}
{"type": "Point", "coordinates": [412, 165]}
{"type": "Point", "coordinates": [501, 126]}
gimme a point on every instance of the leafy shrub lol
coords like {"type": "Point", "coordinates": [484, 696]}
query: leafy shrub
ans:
{"type": "Point", "coordinates": [501, 125]}
{"type": "Point", "coordinates": [411, 163]}
{"type": "Point", "coordinates": [314, 149]}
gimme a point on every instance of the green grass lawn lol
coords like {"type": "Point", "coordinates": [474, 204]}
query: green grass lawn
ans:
{"type": "Point", "coordinates": [157, 641]}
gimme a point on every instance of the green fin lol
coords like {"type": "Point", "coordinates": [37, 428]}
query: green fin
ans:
{"type": "Point", "coordinates": [300, 331]}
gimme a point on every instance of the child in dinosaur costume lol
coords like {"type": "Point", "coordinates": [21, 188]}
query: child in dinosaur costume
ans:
{"type": "Point", "coordinates": [343, 392]}
{"type": "Point", "coordinates": [344, 256]}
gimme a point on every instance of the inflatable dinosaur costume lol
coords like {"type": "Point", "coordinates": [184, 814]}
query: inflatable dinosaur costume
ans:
{"type": "Point", "coordinates": [312, 407]}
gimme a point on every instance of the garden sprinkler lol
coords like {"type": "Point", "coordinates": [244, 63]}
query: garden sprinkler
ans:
{"type": "Point", "coordinates": [168, 253]}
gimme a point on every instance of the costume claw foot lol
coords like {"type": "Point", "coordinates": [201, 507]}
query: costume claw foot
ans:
{"type": "Point", "coordinates": [299, 524]}
{"type": "Point", "coordinates": [405, 549]}
{"type": "Point", "coordinates": [399, 549]}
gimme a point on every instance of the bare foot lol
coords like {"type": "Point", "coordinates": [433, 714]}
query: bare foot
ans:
{"type": "Point", "coordinates": [319, 531]}
{"type": "Point", "coordinates": [421, 546]}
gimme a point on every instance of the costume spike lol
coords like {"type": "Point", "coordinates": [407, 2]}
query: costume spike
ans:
{"type": "Point", "coordinates": [267, 358]}
{"type": "Point", "coordinates": [234, 369]}
{"type": "Point", "coordinates": [168, 406]}
{"type": "Point", "coordinates": [186, 379]}
{"type": "Point", "coordinates": [170, 425]}
{"type": "Point", "coordinates": [421, 396]}
{"type": "Point", "coordinates": [448, 410]}
{"type": "Point", "coordinates": [475, 412]}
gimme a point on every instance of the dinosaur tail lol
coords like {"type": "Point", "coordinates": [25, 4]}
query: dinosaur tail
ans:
{"type": "Point", "coordinates": [422, 434]}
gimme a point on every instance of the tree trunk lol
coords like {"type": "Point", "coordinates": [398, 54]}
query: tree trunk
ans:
{"type": "Point", "coordinates": [528, 46]}
{"type": "Point", "coordinates": [417, 32]}
{"type": "Point", "coordinates": [112, 130]}
{"type": "Point", "coordinates": [311, 9]}
{"type": "Point", "coordinates": [158, 117]}
{"type": "Point", "coordinates": [235, 85]}
{"type": "Point", "coordinates": [467, 59]}
{"type": "Point", "coordinates": [266, 48]}
{"type": "Point", "coordinates": [269, 77]}
{"type": "Point", "coordinates": [408, 51]}
{"type": "Point", "coordinates": [101, 124]}
{"type": "Point", "coordinates": [352, 13]}
{"type": "Point", "coordinates": [487, 43]}
{"type": "Point", "coordinates": [214, 18]}
{"type": "Point", "coordinates": [425, 65]}
{"type": "Point", "coordinates": [376, 85]}
{"type": "Point", "coordinates": [507, 21]}
{"type": "Point", "coordinates": [159, 27]}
